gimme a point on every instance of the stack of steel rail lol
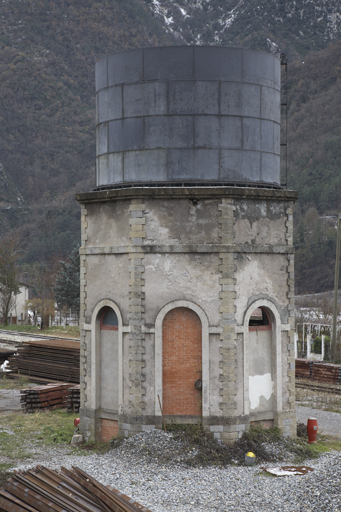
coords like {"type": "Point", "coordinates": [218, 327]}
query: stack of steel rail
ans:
{"type": "Point", "coordinates": [50, 396]}
{"type": "Point", "coordinates": [73, 399]}
{"type": "Point", "coordinates": [43, 490]}
{"type": "Point", "coordinates": [47, 361]}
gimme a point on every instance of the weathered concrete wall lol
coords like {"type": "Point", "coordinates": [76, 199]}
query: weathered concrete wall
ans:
{"type": "Point", "coordinates": [260, 223]}
{"type": "Point", "coordinates": [222, 252]}
{"type": "Point", "coordinates": [197, 274]}
{"type": "Point", "coordinates": [261, 371]}
{"type": "Point", "coordinates": [184, 222]}
{"type": "Point", "coordinates": [109, 278]}
{"type": "Point", "coordinates": [107, 224]}
{"type": "Point", "coordinates": [261, 276]}
{"type": "Point", "coordinates": [109, 370]}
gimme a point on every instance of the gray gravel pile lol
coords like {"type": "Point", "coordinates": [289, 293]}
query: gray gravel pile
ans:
{"type": "Point", "coordinates": [156, 446]}
{"type": "Point", "coordinates": [141, 468]}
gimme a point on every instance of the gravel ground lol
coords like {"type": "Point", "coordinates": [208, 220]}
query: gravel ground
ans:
{"type": "Point", "coordinates": [9, 400]}
{"type": "Point", "coordinates": [329, 423]}
{"type": "Point", "coordinates": [137, 469]}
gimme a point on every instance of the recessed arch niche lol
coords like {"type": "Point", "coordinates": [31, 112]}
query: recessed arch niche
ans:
{"type": "Point", "coordinates": [262, 359]}
{"type": "Point", "coordinates": [261, 367]}
{"type": "Point", "coordinates": [109, 363]}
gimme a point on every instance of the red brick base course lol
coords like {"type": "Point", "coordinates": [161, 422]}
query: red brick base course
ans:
{"type": "Point", "coordinates": [109, 429]}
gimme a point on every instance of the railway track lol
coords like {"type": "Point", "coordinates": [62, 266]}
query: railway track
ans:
{"type": "Point", "coordinates": [318, 386]}
{"type": "Point", "coordinates": [7, 335]}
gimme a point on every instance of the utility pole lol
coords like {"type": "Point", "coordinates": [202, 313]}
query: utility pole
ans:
{"type": "Point", "coordinates": [336, 287]}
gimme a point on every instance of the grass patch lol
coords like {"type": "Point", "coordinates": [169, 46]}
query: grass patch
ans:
{"type": "Point", "coordinates": [7, 383]}
{"type": "Point", "coordinates": [22, 430]}
{"type": "Point", "coordinates": [12, 446]}
{"type": "Point", "coordinates": [269, 445]}
{"type": "Point", "coordinates": [69, 331]}
{"type": "Point", "coordinates": [325, 445]}
{"type": "Point", "coordinates": [5, 466]}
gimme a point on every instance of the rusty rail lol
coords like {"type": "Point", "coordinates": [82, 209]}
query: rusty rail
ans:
{"type": "Point", "coordinates": [43, 490]}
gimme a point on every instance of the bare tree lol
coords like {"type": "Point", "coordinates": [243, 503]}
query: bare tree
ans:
{"type": "Point", "coordinates": [9, 285]}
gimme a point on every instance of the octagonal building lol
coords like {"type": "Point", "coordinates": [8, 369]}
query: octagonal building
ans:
{"type": "Point", "coordinates": [187, 284]}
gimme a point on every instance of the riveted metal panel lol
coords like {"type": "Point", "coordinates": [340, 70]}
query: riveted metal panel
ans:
{"type": "Point", "coordinates": [197, 164]}
{"type": "Point", "coordinates": [251, 133]}
{"type": "Point", "coordinates": [194, 97]}
{"type": "Point", "coordinates": [145, 99]}
{"type": "Point", "coordinates": [168, 63]}
{"type": "Point", "coordinates": [188, 113]}
{"type": "Point", "coordinates": [144, 166]}
{"type": "Point", "coordinates": [109, 104]}
{"type": "Point", "coordinates": [169, 132]}
{"type": "Point", "coordinates": [125, 67]}
{"type": "Point", "coordinates": [267, 136]}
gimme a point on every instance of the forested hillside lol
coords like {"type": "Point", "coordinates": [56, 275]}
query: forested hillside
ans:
{"type": "Point", "coordinates": [48, 51]}
{"type": "Point", "coordinates": [314, 163]}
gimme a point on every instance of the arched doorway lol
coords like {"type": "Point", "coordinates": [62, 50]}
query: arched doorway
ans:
{"type": "Point", "coordinates": [181, 363]}
{"type": "Point", "coordinates": [261, 373]}
{"type": "Point", "coordinates": [109, 381]}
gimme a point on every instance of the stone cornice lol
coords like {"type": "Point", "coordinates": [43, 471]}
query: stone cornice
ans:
{"type": "Point", "coordinates": [189, 248]}
{"type": "Point", "coordinates": [186, 193]}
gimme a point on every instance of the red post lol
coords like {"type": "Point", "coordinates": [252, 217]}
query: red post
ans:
{"type": "Point", "coordinates": [312, 430]}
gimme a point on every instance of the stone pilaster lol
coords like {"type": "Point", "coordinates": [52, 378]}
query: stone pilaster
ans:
{"type": "Point", "coordinates": [289, 427]}
{"type": "Point", "coordinates": [83, 291]}
{"type": "Point", "coordinates": [228, 362]}
{"type": "Point", "coordinates": [136, 308]}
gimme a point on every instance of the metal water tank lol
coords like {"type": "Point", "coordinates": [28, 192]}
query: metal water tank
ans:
{"type": "Point", "coordinates": [189, 114]}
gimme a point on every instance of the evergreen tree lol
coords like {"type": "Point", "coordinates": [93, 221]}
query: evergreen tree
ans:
{"type": "Point", "coordinates": [67, 282]}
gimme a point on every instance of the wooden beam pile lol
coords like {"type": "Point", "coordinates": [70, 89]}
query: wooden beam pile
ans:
{"type": "Point", "coordinates": [302, 369]}
{"type": "Point", "coordinates": [43, 490]}
{"type": "Point", "coordinates": [50, 396]}
{"type": "Point", "coordinates": [47, 360]}
{"type": "Point", "coordinates": [326, 372]}
{"type": "Point", "coordinates": [73, 399]}
{"type": "Point", "coordinates": [315, 370]}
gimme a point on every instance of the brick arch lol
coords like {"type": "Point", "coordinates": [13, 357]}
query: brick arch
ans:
{"type": "Point", "coordinates": [181, 362]}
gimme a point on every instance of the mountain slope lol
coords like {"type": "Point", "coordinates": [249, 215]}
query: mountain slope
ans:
{"type": "Point", "coordinates": [48, 51]}
{"type": "Point", "coordinates": [294, 27]}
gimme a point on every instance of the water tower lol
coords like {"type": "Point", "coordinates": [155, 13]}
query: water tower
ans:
{"type": "Point", "coordinates": [187, 262]}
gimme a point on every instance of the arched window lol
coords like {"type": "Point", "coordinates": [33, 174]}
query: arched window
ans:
{"type": "Point", "coordinates": [109, 320]}
{"type": "Point", "coordinates": [260, 320]}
